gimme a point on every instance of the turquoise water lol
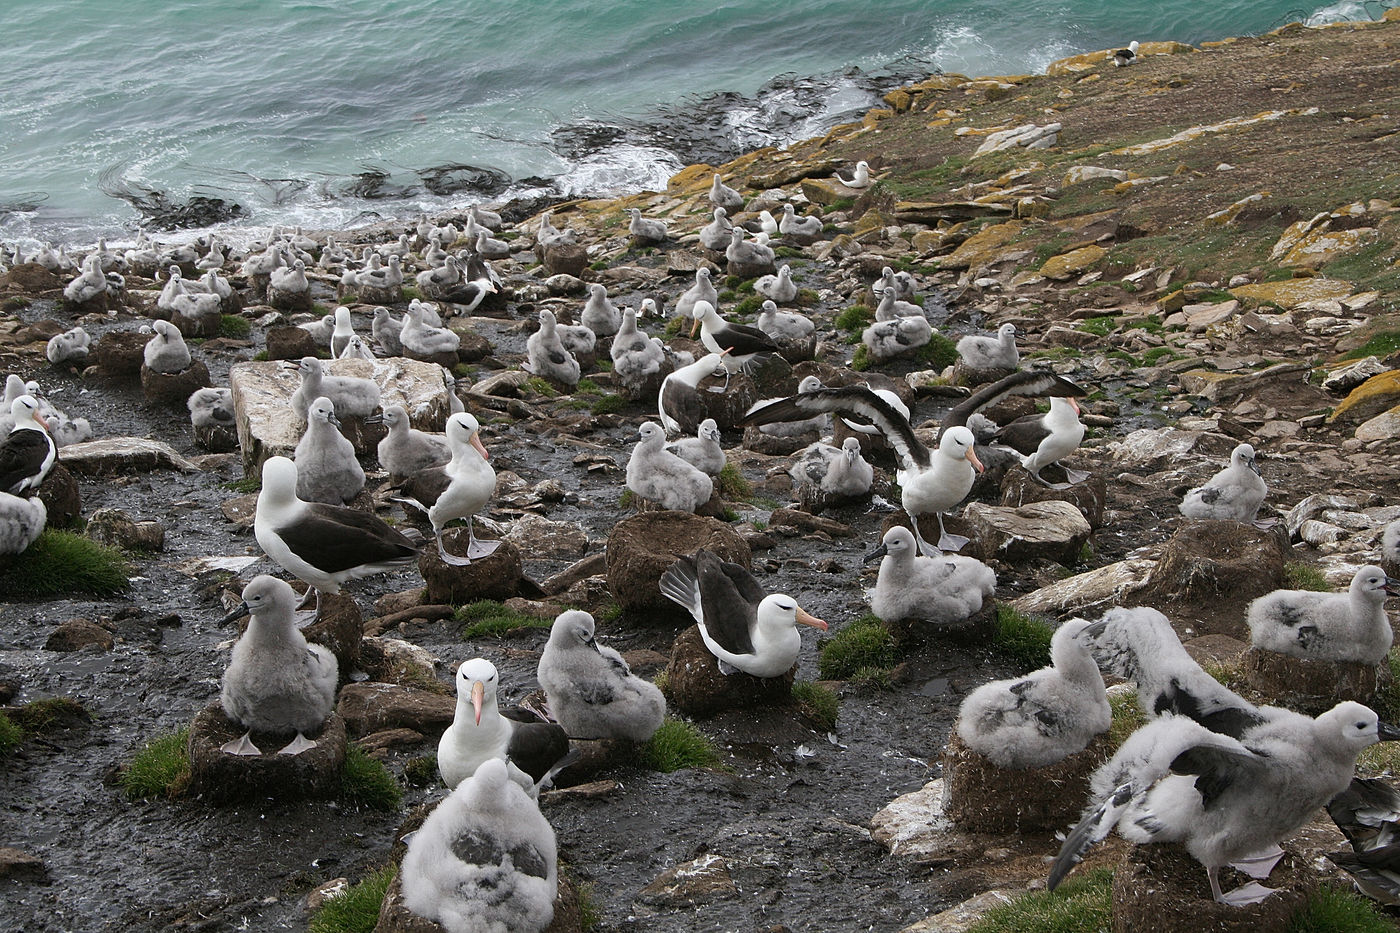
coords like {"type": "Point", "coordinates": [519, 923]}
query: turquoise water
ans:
{"type": "Point", "coordinates": [279, 105]}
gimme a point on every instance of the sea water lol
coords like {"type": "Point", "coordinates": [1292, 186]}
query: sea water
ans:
{"type": "Point", "coordinates": [336, 112]}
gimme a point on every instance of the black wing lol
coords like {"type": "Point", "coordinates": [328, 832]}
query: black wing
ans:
{"type": "Point", "coordinates": [1232, 720]}
{"type": "Point", "coordinates": [1025, 382]}
{"type": "Point", "coordinates": [682, 403]}
{"type": "Point", "coordinates": [22, 456]}
{"type": "Point", "coordinates": [742, 340]}
{"type": "Point", "coordinates": [856, 402]}
{"type": "Point", "coordinates": [1218, 770]}
{"type": "Point", "coordinates": [726, 596]}
{"type": "Point", "coordinates": [1367, 812]}
{"type": "Point", "coordinates": [1024, 434]}
{"type": "Point", "coordinates": [333, 538]}
{"type": "Point", "coordinates": [535, 747]}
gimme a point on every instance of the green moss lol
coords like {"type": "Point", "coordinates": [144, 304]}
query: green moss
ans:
{"type": "Point", "coordinates": [357, 910]}
{"type": "Point", "coordinates": [676, 745]}
{"type": "Point", "coordinates": [234, 325]}
{"type": "Point", "coordinates": [160, 769]}
{"type": "Point", "coordinates": [938, 352]}
{"type": "Point", "coordinates": [1381, 345]}
{"type": "Point", "coordinates": [1301, 576]}
{"type": "Point", "coordinates": [865, 643]}
{"type": "Point", "coordinates": [1081, 904]}
{"type": "Point", "coordinates": [590, 915]}
{"type": "Point", "coordinates": [1331, 909]}
{"type": "Point", "coordinates": [841, 204]}
{"type": "Point", "coordinates": [410, 292]}
{"type": "Point", "coordinates": [1100, 326]}
{"type": "Point", "coordinates": [10, 736]}
{"type": "Point", "coordinates": [246, 485]}
{"type": "Point", "coordinates": [872, 678]}
{"type": "Point", "coordinates": [854, 319]}
{"type": "Point", "coordinates": [14, 304]}
{"type": "Point", "coordinates": [421, 771]}
{"type": "Point", "coordinates": [260, 356]}
{"type": "Point", "coordinates": [748, 306]}
{"type": "Point", "coordinates": [1157, 354]}
{"type": "Point", "coordinates": [745, 287]}
{"type": "Point", "coordinates": [625, 500]}
{"type": "Point", "coordinates": [46, 715]}
{"type": "Point", "coordinates": [1022, 638]}
{"type": "Point", "coordinates": [588, 387]}
{"type": "Point", "coordinates": [787, 252]}
{"type": "Point", "coordinates": [608, 405]}
{"type": "Point", "coordinates": [1127, 717]}
{"type": "Point", "coordinates": [677, 325]}
{"type": "Point", "coordinates": [60, 562]}
{"type": "Point", "coordinates": [488, 617]}
{"type": "Point", "coordinates": [819, 704]}
{"type": "Point", "coordinates": [732, 484]}
{"type": "Point", "coordinates": [541, 387]}
{"type": "Point", "coordinates": [860, 360]}
{"type": "Point", "coordinates": [806, 297]}
{"type": "Point", "coordinates": [365, 782]}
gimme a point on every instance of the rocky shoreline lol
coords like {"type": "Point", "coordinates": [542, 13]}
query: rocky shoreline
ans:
{"type": "Point", "coordinates": [1204, 239]}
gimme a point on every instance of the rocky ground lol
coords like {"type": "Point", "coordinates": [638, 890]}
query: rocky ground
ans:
{"type": "Point", "coordinates": [1211, 234]}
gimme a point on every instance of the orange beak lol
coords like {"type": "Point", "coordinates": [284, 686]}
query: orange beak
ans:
{"type": "Point", "coordinates": [807, 618]}
{"type": "Point", "coordinates": [1075, 403]}
{"type": "Point", "coordinates": [42, 423]}
{"type": "Point", "coordinates": [478, 695]}
{"type": "Point", "coordinates": [480, 447]}
{"type": "Point", "coordinates": [972, 459]}
{"type": "Point", "coordinates": [694, 325]}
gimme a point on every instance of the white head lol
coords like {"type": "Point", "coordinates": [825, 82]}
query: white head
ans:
{"type": "Point", "coordinates": [1243, 455]}
{"type": "Point", "coordinates": [476, 684]}
{"type": "Point", "coordinates": [547, 321]}
{"type": "Point", "coordinates": [1352, 727]}
{"type": "Point", "coordinates": [279, 480]}
{"type": "Point", "coordinates": [269, 597]}
{"type": "Point", "coordinates": [25, 411]}
{"type": "Point", "coordinates": [809, 384]}
{"type": "Point", "coordinates": [462, 430]}
{"type": "Point", "coordinates": [395, 419]}
{"type": "Point", "coordinates": [598, 292]}
{"type": "Point", "coordinates": [310, 368]}
{"type": "Point", "coordinates": [1007, 333]}
{"type": "Point", "coordinates": [784, 273]}
{"type": "Point", "coordinates": [780, 611]}
{"type": "Point", "coordinates": [898, 543]}
{"type": "Point", "coordinates": [649, 308]}
{"type": "Point", "coordinates": [721, 215]}
{"type": "Point", "coordinates": [651, 432]}
{"type": "Point", "coordinates": [342, 319]}
{"type": "Point", "coordinates": [572, 629]}
{"type": "Point", "coordinates": [709, 430]}
{"type": "Point", "coordinates": [322, 410]}
{"type": "Point", "coordinates": [957, 444]}
{"type": "Point", "coordinates": [166, 331]}
{"type": "Point", "coordinates": [702, 275]}
{"type": "Point", "coordinates": [851, 447]}
{"type": "Point", "coordinates": [1372, 583]}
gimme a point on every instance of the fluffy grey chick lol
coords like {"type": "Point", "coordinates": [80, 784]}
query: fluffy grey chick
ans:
{"type": "Point", "coordinates": [635, 355]}
{"type": "Point", "coordinates": [546, 355]}
{"type": "Point", "coordinates": [1390, 548]}
{"type": "Point", "coordinates": [275, 681]}
{"type": "Point", "coordinates": [405, 450]}
{"type": "Point", "coordinates": [999, 352]}
{"type": "Point", "coordinates": [1235, 493]}
{"type": "Point", "coordinates": [485, 861]}
{"type": "Point", "coordinates": [386, 328]}
{"type": "Point", "coordinates": [839, 471]}
{"type": "Point", "coordinates": [21, 521]}
{"type": "Point", "coordinates": [784, 326]}
{"type": "Point", "coordinates": [1044, 717]}
{"type": "Point", "coordinates": [166, 351]}
{"type": "Point", "coordinates": [327, 470]}
{"type": "Point", "coordinates": [886, 340]}
{"type": "Point", "coordinates": [211, 408]}
{"type": "Point", "coordinates": [645, 229]}
{"type": "Point", "coordinates": [599, 314]}
{"type": "Point", "coordinates": [592, 692]}
{"type": "Point", "coordinates": [71, 346]}
{"type": "Point", "coordinates": [1350, 626]}
{"type": "Point", "coordinates": [353, 396]}
{"type": "Point", "coordinates": [942, 590]}
{"type": "Point", "coordinates": [656, 474]}
{"type": "Point", "coordinates": [703, 451]}
{"type": "Point", "coordinates": [423, 340]}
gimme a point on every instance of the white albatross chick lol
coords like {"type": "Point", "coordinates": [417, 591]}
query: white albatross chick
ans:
{"type": "Point", "coordinates": [860, 178]}
{"type": "Point", "coordinates": [1044, 717]}
{"type": "Point", "coordinates": [546, 356]}
{"type": "Point", "coordinates": [778, 288]}
{"type": "Point", "coordinates": [166, 351]}
{"type": "Point", "coordinates": [744, 628]}
{"type": "Point", "coordinates": [592, 691]}
{"type": "Point", "coordinates": [1222, 799]}
{"type": "Point", "coordinates": [21, 521]}
{"type": "Point", "coordinates": [702, 290]}
{"type": "Point", "coordinates": [423, 340]}
{"type": "Point", "coordinates": [352, 396]}
{"type": "Point", "coordinates": [837, 471]}
{"type": "Point", "coordinates": [276, 682]}
{"type": "Point", "coordinates": [721, 195]}
{"type": "Point", "coordinates": [327, 470]}
{"type": "Point", "coordinates": [71, 346]}
{"type": "Point", "coordinates": [635, 355]}
{"type": "Point", "coordinates": [703, 451]}
{"type": "Point", "coordinates": [943, 590]}
{"type": "Point", "coordinates": [405, 450]}
{"type": "Point", "coordinates": [999, 352]}
{"type": "Point", "coordinates": [1351, 626]}
{"type": "Point", "coordinates": [484, 861]}
{"type": "Point", "coordinates": [656, 474]}
{"type": "Point", "coordinates": [785, 327]}
{"type": "Point", "coordinates": [645, 229]}
{"type": "Point", "coordinates": [210, 407]}
{"type": "Point", "coordinates": [714, 236]}
{"type": "Point", "coordinates": [599, 314]}
{"type": "Point", "coordinates": [1235, 493]}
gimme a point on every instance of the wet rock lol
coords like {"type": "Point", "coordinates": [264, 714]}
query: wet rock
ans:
{"type": "Point", "coordinates": [394, 917]}
{"type": "Point", "coordinates": [695, 686]}
{"type": "Point", "coordinates": [496, 576]}
{"type": "Point", "coordinates": [1218, 562]}
{"type": "Point", "coordinates": [590, 566]}
{"type": "Point", "coordinates": [692, 883]}
{"type": "Point", "coordinates": [18, 864]}
{"type": "Point", "coordinates": [124, 455]}
{"type": "Point", "coordinates": [119, 354]}
{"type": "Point", "coordinates": [547, 540]}
{"type": "Point", "coordinates": [564, 258]}
{"type": "Point", "coordinates": [220, 777]}
{"type": "Point", "coordinates": [115, 527]}
{"type": "Point", "coordinates": [641, 548]}
{"type": "Point", "coordinates": [395, 661]}
{"type": "Point", "coordinates": [76, 634]}
{"type": "Point", "coordinates": [174, 389]}
{"type": "Point", "coordinates": [1110, 585]}
{"type": "Point", "coordinates": [1019, 488]}
{"type": "Point", "coordinates": [268, 428]}
{"type": "Point", "coordinates": [1159, 888]}
{"type": "Point", "coordinates": [1313, 686]}
{"type": "Point", "coordinates": [1051, 529]}
{"type": "Point", "coordinates": [61, 496]}
{"type": "Point", "coordinates": [379, 744]}
{"type": "Point", "coordinates": [290, 343]}
{"type": "Point", "coordinates": [373, 707]}
{"type": "Point", "coordinates": [914, 825]}
{"type": "Point", "coordinates": [806, 523]}
{"type": "Point", "coordinates": [984, 798]}
{"type": "Point", "coordinates": [964, 916]}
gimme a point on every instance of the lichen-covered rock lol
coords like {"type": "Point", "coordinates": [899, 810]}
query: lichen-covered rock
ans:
{"type": "Point", "coordinates": [219, 777]}
{"type": "Point", "coordinates": [641, 548]}
{"type": "Point", "coordinates": [496, 576]}
{"type": "Point", "coordinates": [980, 797]}
{"type": "Point", "coordinates": [115, 527]}
{"type": "Point", "coordinates": [1291, 293]}
{"type": "Point", "coordinates": [1378, 394]}
{"type": "Point", "coordinates": [1313, 686]}
{"type": "Point", "coordinates": [1068, 265]}
{"type": "Point", "coordinates": [695, 686]}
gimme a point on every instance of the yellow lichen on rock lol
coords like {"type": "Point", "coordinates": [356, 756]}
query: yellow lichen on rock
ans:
{"type": "Point", "coordinates": [1227, 215]}
{"type": "Point", "coordinates": [979, 249]}
{"type": "Point", "coordinates": [1323, 246]}
{"type": "Point", "coordinates": [1374, 396]}
{"type": "Point", "coordinates": [1070, 264]}
{"type": "Point", "coordinates": [1292, 293]}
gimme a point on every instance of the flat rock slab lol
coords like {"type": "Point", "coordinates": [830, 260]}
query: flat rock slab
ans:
{"type": "Point", "coordinates": [267, 427]}
{"type": "Point", "coordinates": [1053, 529]}
{"type": "Point", "coordinates": [1104, 586]}
{"type": "Point", "coordinates": [113, 455]}
{"type": "Point", "coordinates": [1312, 686]}
{"type": "Point", "coordinates": [372, 707]}
{"type": "Point", "coordinates": [220, 777]}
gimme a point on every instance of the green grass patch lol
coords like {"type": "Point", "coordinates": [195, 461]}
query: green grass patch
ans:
{"type": "Point", "coordinates": [246, 485]}
{"type": "Point", "coordinates": [590, 915]}
{"type": "Point", "coordinates": [365, 782]}
{"type": "Point", "coordinates": [1301, 576]}
{"type": "Point", "coordinates": [865, 643]}
{"type": "Point", "coordinates": [841, 204]}
{"type": "Point", "coordinates": [48, 714]}
{"type": "Point", "coordinates": [860, 360]}
{"type": "Point", "coordinates": [854, 319]}
{"type": "Point", "coordinates": [1082, 903]}
{"type": "Point", "coordinates": [872, 678]}
{"type": "Point", "coordinates": [806, 297]}
{"type": "Point", "coordinates": [625, 500]}
{"type": "Point", "coordinates": [160, 769]}
{"type": "Point", "coordinates": [488, 617]}
{"type": "Point", "coordinates": [938, 352]}
{"type": "Point", "coordinates": [60, 562]}
{"type": "Point", "coordinates": [732, 484]}
{"type": "Point", "coordinates": [1022, 638]}
{"type": "Point", "coordinates": [1127, 717]}
{"type": "Point", "coordinates": [357, 910]}
{"type": "Point", "coordinates": [748, 306]}
{"type": "Point", "coordinates": [677, 745]}
{"type": "Point", "coordinates": [677, 325]}
{"type": "Point", "coordinates": [1157, 354]}
{"type": "Point", "coordinates": [1100, 326]}
{"type": "Point", "coordinates": [10, 736]}
{"type": "Point", "coordinates": [260, 356]}
{"type": "Point", "coordinates": [608, 405]}
{"type": "Point", "coordinates": [410, 292]}
{"type": "Point", "coordinates": [541, 386]}
{"type": "Point", "coordinates": [1381, 345]}
{"type": "Point", "coordinates": [421, 771]}
{"type": "Point", "coordinates": [1370, 267]}
{"type": "Point", "coordinates": [588, 387]}
{"type": "Point", "coordinates": [745, 287]}
{"type": "Point", "coordinates": [234, 325]}
{"type": "Point", "coordinates": [1336, 910]}
{"type": "Point", "coordinates": [819, 704]}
